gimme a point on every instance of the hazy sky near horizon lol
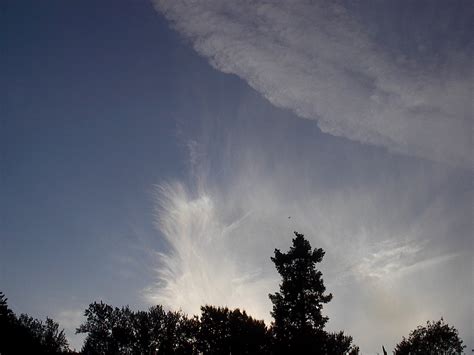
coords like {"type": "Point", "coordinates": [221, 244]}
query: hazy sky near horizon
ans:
{"type": "Point", "coordinates": [158, 152]}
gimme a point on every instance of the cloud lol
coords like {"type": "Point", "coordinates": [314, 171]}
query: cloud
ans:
{"type": "Point", "coordinates": [319, 60]}
{"type": "Point", "coordinates": [395, 229]}
{"type": "Point", "coordinates": [381, 257]}
{"type": "Point", "coordinates": [391, 259]}
{"type": "Point", "coordinates": [201, 267]}
{"type": "Point", "coordinates": [70, 320]}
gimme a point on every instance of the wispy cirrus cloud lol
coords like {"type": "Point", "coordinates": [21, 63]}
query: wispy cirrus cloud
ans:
{"type": "Point", "coordinates": [318, 60]}
{"type": "Point", "coordinates": [201, 266]}
{"type": "Point", "coordinates": [380, 254]}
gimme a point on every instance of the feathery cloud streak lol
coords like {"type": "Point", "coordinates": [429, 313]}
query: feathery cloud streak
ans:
{"type": "Point", "coordinates": [200, 268]}
{"type": "Point", "coordinates": [385, 243]}
{"type": "Point", "coordinates": [316, 59]}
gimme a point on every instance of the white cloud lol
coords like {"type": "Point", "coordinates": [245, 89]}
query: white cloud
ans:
{"type": "Point", "coordinates": [379, 259]}
{"type": "Point", "coordinates": [201, 267]}
{"type": "Point", "coordinates": [70, 320]}
{"type": "Point", "coordinates": [316, 59]}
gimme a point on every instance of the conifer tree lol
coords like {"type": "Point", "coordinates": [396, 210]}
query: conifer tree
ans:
{"type": "Point", "coordinates": [298, 321]}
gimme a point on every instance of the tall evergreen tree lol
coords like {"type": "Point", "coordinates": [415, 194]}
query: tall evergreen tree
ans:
{"type": "Point", "coordinates": [298, 325]}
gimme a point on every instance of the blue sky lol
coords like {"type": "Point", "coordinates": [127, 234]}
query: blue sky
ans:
{"type": "Point", "coordinates": [153, 152]}
{"type": "Point", "coordinates": [89, 128]}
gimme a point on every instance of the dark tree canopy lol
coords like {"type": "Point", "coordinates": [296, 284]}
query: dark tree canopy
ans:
{"type": "Point", "coordinates": [121, 331]}
{"type": "Point", "coordinates": [27, 335]}
{"type": "Point", "coordinates": [434, 338]}
{"type": "Point", "coordinates": [224, 331]}
{"type": "Point", "coordinates": [338, 343]}
{"type": "Point", "coordinates": [298, 321]}
{"type": "Point", "coordinates": [108, 330]}
{"type": "Point", "coordinates": [217, 331]}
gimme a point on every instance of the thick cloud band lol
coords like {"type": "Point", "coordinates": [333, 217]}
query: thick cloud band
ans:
{"type": "Point", "coordinates": [317, 60]}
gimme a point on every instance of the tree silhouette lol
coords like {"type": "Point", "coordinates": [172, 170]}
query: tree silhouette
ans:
{"type": "Point", "coordinates": [297, 307]}
{"type": "Point", "coordinates": [27, 335]}
{"type": "Point", "coordinates": [9, 329]}
{"type": "Point", "coordinates": [174, 332]}
{"type": "Point", "coordinates": [434, 338]}
{"type": "Point", "coordinates": [298, 325]}
{"type": "Point", "coordinates": [222, 331]}
{"type": "Point", "coordinates": [99, 325]}
{"type": "Point", "coordinates": [121, 331]}
{"type": "Point", "coordinates": [338, 343]}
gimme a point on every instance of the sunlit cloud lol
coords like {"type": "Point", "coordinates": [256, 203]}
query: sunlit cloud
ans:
{"type": "Point", "coordinates": [201, 266]}
{"type": "Point", "coordinates": [316, 59]}
{"type": "Point", "coordinates": [220, 243]}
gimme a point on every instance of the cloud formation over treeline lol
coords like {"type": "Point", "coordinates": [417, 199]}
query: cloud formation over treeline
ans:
{"type": "Point", "coordinates": [396, 228]}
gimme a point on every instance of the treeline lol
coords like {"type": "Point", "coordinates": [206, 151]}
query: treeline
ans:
{"type": "Point", "coordinates": [26, 335]}
{"type": "Point", "coordinates": [217, 331]}
{"type": "Point", "coordinates": [297, 327]}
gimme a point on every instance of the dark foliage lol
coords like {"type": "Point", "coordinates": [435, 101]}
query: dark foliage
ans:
{"type": "Point", "coordinates": [224, 331]}
{"type": "Point", "coordinates": [298, 325]}
{"type": "Point", "coordinates": [26, 335]}
{"type": "Point", "coordinates": [338, 343]}
{"type": "Point", "coordinates": [121, 331]}
{"type": "Point", "coordinates": [434, 338]}
{"type": "Point", "coordinates": [218, 331]}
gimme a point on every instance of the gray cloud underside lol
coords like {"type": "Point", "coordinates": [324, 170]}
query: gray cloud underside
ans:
{"type": "Point", "coordinates": [317, 60]}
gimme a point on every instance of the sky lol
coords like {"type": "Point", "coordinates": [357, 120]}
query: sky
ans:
{"type": "Point", "coordinates": [158, 152]}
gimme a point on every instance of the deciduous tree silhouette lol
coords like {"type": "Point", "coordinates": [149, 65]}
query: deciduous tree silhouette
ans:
{"type": "Point", "coordinates": [161, 332]}
{"type": "Point", "coordinates": [178, 332]}
{"type": "Point", "coordinates": [298, 325]}
{"type": "Point", "coordinates": [338, 343]}
{"type": "Point", "coordinates": [121, 331]}
{"type": "Point", "coordinates": [224, 331]}
{"type": "Point", "coordinates": [99, 326]}
{"type": "Point", "coordinates": [27, 335]}
{"type": "Point", "coordinates": [434, 338]}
